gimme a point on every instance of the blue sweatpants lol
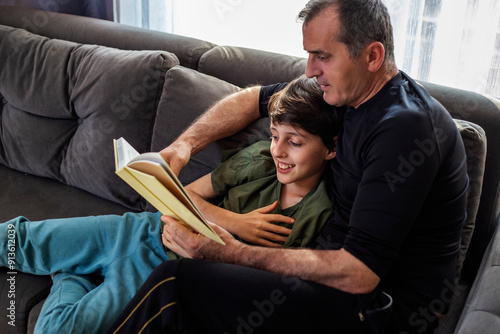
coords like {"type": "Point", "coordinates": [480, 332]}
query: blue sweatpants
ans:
{"type": "Point", "coordinates": [123, 249]}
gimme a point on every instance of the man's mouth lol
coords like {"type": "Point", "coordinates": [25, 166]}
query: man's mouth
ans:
{"type": "Point", "coordinates": [324, 86]}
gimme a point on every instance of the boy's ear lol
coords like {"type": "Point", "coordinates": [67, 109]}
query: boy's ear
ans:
{"type": "Point", "coordinates": [333, 152]}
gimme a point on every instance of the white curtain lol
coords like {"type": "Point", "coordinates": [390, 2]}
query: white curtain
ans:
{"type": "Point", "coordinates": [450, 42]}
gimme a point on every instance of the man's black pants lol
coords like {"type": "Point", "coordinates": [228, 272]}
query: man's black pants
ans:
{"type": "Point", "coordinates": [196, 296]}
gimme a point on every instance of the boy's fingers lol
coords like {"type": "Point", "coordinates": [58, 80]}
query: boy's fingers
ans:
{"type": "Point", "coordinates": [279, 218]}
{"type": "Point", "coordinates": [279, 230]}
{"type": "Point", "coordinates": [268, 208]}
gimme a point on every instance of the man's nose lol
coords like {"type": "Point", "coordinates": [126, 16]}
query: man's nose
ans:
{"type": "Point", "coordinates": [312, 69]}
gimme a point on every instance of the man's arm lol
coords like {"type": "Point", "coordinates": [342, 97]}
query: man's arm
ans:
{"type": "Point", "coordinates": [335, 268]}
{"type": "Point", "coordinates": [225, 118]}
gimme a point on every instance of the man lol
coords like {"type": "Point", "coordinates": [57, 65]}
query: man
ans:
{"type": "Point", "coordinates": [399, 196]}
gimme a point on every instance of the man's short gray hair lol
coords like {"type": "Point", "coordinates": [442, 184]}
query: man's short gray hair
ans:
{"type": "Point", "coordinates": [362, 22]}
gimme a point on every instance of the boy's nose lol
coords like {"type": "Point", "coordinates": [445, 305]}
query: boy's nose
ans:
{"type": "Point", "coordinates": [278, 149]}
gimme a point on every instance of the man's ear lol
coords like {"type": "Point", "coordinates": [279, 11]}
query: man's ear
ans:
{"type": "Point", "coordinates": [333, 152]}
{"type": "Point", "coordinates": [375, 55]}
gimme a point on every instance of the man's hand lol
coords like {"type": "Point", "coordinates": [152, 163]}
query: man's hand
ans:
{"type": "Point", "coordinates": [177, 155]}
{"type": "Point", "coordinates": [190, 244]}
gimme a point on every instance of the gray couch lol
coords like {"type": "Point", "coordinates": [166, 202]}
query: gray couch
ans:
{"type": "Point", "coordinates": [69, 85]}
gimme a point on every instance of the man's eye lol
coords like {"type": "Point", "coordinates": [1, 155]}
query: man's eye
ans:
{"type": "Point", "coordinates": [273, 137]}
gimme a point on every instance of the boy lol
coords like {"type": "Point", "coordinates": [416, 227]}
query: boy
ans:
{"type": "Point", "coordinates": [124, 250]}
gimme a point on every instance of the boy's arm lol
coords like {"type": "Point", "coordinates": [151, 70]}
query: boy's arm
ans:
{"type": "Point", "coordinates": [225, 118]}
{"type": "Point", "coordinates": [255, 227]}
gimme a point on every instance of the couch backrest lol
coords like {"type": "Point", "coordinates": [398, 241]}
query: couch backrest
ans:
{"type": "Point", "coordinates": [87, 30]}
{"type": "Point", "coordinates": [250, 66]}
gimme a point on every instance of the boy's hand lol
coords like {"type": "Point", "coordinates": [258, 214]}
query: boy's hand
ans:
{"type": "Point", "coordinates": [257, 228]}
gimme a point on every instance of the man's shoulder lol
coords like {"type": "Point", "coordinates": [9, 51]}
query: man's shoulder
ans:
{"type": "Point", "coordinates": [410, 103]}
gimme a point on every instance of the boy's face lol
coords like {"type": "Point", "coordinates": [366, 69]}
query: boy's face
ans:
{"type": "Point", "coordinates": [300, 156]}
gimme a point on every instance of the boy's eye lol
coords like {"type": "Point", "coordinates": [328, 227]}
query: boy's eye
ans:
{"type": "Point", "coordinates": [292, 143]}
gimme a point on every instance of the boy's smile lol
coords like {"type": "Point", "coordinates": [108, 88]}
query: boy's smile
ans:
{"type": "Point", "coordinates": [283, 167]}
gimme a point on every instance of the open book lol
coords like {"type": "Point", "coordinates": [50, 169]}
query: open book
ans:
{"type": "Point", "coordinates": [153, 179]}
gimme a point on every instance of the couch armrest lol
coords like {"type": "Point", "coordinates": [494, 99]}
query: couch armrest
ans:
{"type": "Point", "coordinates": [481, 313]}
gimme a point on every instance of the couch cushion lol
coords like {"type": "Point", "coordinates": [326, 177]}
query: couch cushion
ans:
{"type": "Point", "coordinates": [62, 104]}
{"type": "Point", "coordinates": [474, 140]}
{"type": "Point", "coordinates": [189, 93]}
{"type": "Point", "coordinates": [485, 112]}
{"type": "Point", "coordinates": [481, 311]}
{"type": "Point", "coordinates": [38, 198]}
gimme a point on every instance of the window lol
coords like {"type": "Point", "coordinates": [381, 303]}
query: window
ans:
{"type": "Point", "coordinates": [449, 42]}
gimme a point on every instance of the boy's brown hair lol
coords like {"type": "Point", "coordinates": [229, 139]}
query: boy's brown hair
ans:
{"type": "Point", "coordinates": [300, 104]}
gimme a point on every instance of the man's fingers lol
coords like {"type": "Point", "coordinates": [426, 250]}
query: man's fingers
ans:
{"type": "Point", "coordinates": [176, 166]}
{"type": "Point", "coordinates": [177, 155]}
{"type": "Point", "coordinates": [178, 233]}
{"type": "Point", "coordinates": [172, 222]}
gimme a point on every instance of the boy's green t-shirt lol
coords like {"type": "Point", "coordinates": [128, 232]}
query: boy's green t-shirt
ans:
{"type": "Point", "coordinates": [247, 180]}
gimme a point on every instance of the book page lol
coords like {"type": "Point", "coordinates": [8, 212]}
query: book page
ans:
{"type": "Point", "coordinates": [124, 152]}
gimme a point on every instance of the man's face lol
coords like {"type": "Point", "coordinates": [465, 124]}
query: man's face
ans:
{"type": "Point", "coordinates": [343, 79]}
